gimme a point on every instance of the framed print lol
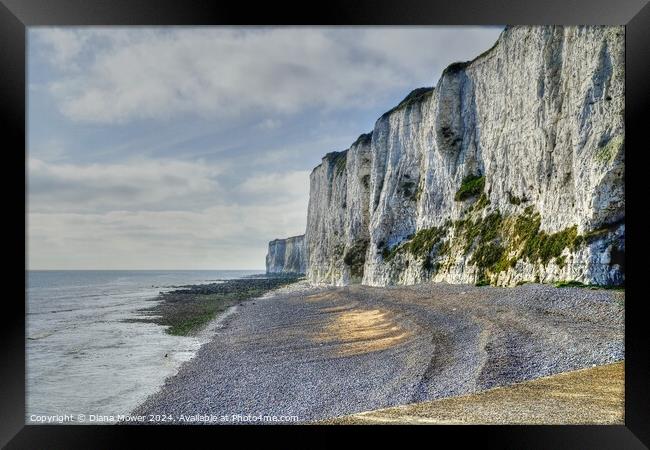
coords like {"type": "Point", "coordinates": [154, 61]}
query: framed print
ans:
{"type": "Point", "coordinates": [361, 215]}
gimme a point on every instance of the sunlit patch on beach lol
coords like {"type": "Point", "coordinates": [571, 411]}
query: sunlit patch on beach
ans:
{"type": "Point", "coordinates": [340, 308]}
{"type": "Point", "coordinates": [360, 331]}
{"type": "Point", "coordinates": [321, 296]}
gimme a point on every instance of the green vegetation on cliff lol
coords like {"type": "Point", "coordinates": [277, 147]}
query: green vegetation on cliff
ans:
{"type": "Point", "coordinates": [471, 186]}
{"type": "Point", "coordinates": [415, 96]}
{"type": "Point", "coordinates": [607, 152]}
{"type": "Point", "coordinates": [337, 160]}
{"type": "Point", "coordinates": [494, 243]}
{"type": "Point", "coordinates": [355, 257]}
{"type": "Point", "coordinates": [421, 244]}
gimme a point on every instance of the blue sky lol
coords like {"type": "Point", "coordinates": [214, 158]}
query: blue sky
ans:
{"type": "Point", "coordinates": [191, 147]}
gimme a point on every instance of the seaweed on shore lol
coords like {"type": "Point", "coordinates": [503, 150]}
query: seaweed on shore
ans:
{"type": "Point", "coordinates": [185, 311]}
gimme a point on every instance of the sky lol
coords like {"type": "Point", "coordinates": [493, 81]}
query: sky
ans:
{"type": "Point", "coordinates": [191, 147]}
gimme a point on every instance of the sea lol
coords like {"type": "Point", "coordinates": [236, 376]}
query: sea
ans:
{"type": "Point", "coordinates": [83, 359]}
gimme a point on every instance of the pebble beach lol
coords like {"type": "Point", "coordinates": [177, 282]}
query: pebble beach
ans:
{"type": "Point", "coordinates": [305, 353]}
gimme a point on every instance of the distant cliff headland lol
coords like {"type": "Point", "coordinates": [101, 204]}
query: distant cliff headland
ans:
{"type": "Point", "coordinates": [287, 255]}
{"type": "Point", "coordinates": [510, 170]}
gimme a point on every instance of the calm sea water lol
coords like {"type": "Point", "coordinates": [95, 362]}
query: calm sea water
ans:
{"type": "Point", "coordinates": [82, 358]}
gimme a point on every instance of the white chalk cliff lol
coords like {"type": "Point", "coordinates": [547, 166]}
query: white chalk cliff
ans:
{"type": "Point", "coordinates": [510, 170]}
{"type": "Point", "coordinates": [286, 255]}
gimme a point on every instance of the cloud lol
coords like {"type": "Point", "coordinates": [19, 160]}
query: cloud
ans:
{"type": "Point", "coordinates": [219, 237]}
{"type": "Point", "coordinates": [225, 72]}
{"type": "Point", "coordinates": [269, 124]}
{"type": "Point", "coordinates": [278, 187]}
{"type": "Point", "coordinates": [158, 214]}
{"type": "Point", "coordinates": [64, 45]}
{"type": "Point", "coordinates": [224, 121]}
{"type": "Point", "coordinates": [139, 183]}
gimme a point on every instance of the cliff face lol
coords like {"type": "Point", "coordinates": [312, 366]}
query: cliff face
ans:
{"type": "Point", "coordinates": [286, 255]}
{"type": "Point", "coordinates": [337, 233]}
{"type": "Point", "coordinates": [511, 169]}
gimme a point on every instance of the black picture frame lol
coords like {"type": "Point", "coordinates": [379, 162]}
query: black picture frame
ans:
{"type": "Point", "coordinates": [16, 15]}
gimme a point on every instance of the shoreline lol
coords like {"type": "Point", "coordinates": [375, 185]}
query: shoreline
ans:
{"type": "Point", "coordinates": [205, 332]}
{"type": "Point", "coordinates": [318, 352]}
{"type": "Point", "coordinates": [85, 354]}
{"type": "Point", "coordinates": [187, 309]}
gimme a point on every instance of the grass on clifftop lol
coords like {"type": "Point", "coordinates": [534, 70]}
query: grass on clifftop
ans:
{"type": "Point", "coordinates": [414, 97]}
